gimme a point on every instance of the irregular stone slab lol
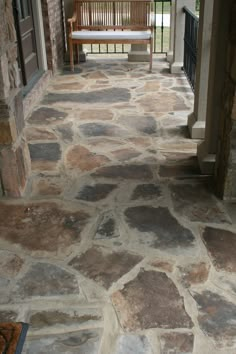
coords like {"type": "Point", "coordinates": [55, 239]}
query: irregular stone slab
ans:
{"type": "Point", "coordinates": [162, 102]}
{"type": "Point", "coordinates": [65, 318]}
{"type": "Point", "coordinates": [8, 316]}
{"type": "Point", "coordinates": [46, 186]}
{"type": "Point", "coordinates": [104, 142]}
{"type": "Point", "coordinates": [95, 75]}
{"type": "Point", "coordinates": [84, 342]}
{"type": "Point", "coordinates": [35, 133]}
{"type": "Point", "coordinates": [103, 266]}
{"type": "Point", "coordinates": [45, 151]}
{"type": "Point", "coordinates": [69, 86]}
{"type": "Point", "coordinates": [45, 115]}
{"type": "Point", "coordinates": [151, 300]}
{"type": "Point", "coordinates": [41, 227]}
{"type": "Point", "coordinates": [140, 141]}
{"type": "Point", "coordinates": [4, 290]}
{"type": "Point", "coordinates": [221, 244]}
{"type": "Point", "coordinates": [107, 228]}
{"type": "Point", "coordinates": [80, 157]}
{"type": "Point", "coordinates": [96, 114]}
{"type": "Point", "coordinates": [217, 318]}
{"type": "Point", "coordinates": [163, 229]}
{"type": "Point", "coordinates": [182, 89]}
{"type": "Point", "coordinates": [146, 191]}
{"type": "Point", "coordinates": [179, 343]}
{"type": "Point", "coordinates": [133, 344]}
{"type": "Point", "coordinates": [140, 172]}
{"type": "Point", "coordinates": [196, 203]}
{"type": "Point", "coordinates": [66, 132]}
{"type": "Point", "coordinates": [125, 154]}
{"type": "Point", "coordinates": [142, 124]}
{"type": "Point", "coordinates": [101, 129]}
{"type": "Point", "coordinates": [150, 86]}
{"type": "Point", "coordinates": [195, 273]}
{"type": "Point", "coordinates": [97, 192]}
{"type": "Point", "coordinates": [111, 95]}
{"type": "Point", "coordinates": [10, 264]}
{"type": "Point", "coordinates": [45, 279]}
{"type": "Point", "coordinates": [166, 266]}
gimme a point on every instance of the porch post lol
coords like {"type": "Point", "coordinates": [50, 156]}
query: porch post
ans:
{"type": "Point", "coordinates": [207, 150]}
{"type": "Point", "coordinates": [197, 119]}
{"type": "Point", "coordinates": [172, 31]}
{"type": "Point", "coordinates": [179, 19]}
{"type": "Point", "coordinates": [139, 52]}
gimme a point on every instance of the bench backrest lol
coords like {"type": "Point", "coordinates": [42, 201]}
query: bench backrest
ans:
{"type": "Point", "coordinates": [101, 15]}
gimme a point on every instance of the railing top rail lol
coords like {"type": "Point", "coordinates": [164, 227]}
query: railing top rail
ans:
{"type": "Point", "coordinates": [186, 10]}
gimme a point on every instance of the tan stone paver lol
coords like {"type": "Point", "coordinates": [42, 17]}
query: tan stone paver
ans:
{"type": "Point", "coordinates": [118, 246]}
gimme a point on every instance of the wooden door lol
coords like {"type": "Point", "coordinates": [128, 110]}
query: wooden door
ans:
{"type": "Point", "coordinates": [27, 52]}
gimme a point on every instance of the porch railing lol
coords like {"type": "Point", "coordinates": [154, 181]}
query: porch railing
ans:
{"type": "Point", "coordinates": [161, 33]}
{"type": "Point", "coordinates": [190, 45]}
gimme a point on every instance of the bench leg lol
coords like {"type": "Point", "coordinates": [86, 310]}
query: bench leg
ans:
{"type": "Point", "coordinates": [71, 55]}
{"type": "Point", "coordinates": [151, 49]}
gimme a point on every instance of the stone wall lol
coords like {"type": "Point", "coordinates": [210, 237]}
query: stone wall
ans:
{"type": "Point", "coordinates": [14, 156]}
{"type": "Point", "coordinates": [226, 157]}
{"type": "Point", "coordinates": [54, 32]}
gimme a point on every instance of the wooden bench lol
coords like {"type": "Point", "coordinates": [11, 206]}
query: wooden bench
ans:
{"type": "Point", "coordinates": [111, 22]}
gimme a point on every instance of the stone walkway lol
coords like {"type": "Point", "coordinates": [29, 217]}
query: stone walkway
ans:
{"type": "Point", "coordinates": [118, 247]}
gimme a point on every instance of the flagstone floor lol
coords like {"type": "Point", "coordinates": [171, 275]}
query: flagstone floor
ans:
{"type": "Point", "coordinates": [118, 246]}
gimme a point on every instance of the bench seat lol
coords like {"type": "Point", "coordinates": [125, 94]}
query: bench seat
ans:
{"type": "Point", "coordinates": [111, 35]}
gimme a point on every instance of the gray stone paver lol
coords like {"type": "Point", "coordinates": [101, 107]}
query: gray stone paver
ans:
{"type": "Point", "coordinates": [116, 216]}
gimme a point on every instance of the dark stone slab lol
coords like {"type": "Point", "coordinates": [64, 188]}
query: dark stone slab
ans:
{"type": "Point", "coordinates": [196, 203]}
{"type": "Point", "coordinates": [165, 231]}
{"type": "Point", "coordinates": [41, 227]}
{"type": "Point", "coordinates": [84, 342]}
{"type": "Point", "coordinates": [97, 192]}
{"type": "Point", "coordinates": [177, 343]}
{"type": "Point", "coordinates": [45, 115]}
{"type": "Point", "coordinates": [8, 316]}
{"type": "Point", "coordinates": [45, 151]}
{"type": "Point", "coordinates": [65, 317]}
{"type": "Point", "coordinates": [101, 129]}
{"type": "Point", "coordinates": [133, 344]}
{"type": "Point", "coordinates": [217, 317]}
{"type": "Point", "coordinates": [140, 172]}
{"type": "Point", "coordinates": [103, 266]}
{"type": "Point", "coordinates": [221, 245]}
{"type": "Point", "coordinates": [111, 95]}
{"type": "Point", "coordinates": [66, 132]}
{"type": "Point", "coordinates": [151, 300]}
{"type": "Point", "coordinates": [107, 228]}
{"type": "Point", "coordinates": [180, 170]}
{"type": "Point", "coordinates": [45, 279]}
{"type": "Point", "coordinates": [146, 191]}
{"type": "Point", "coordinates": [142, 124]}
{"type": "Point", "coordinates": [67, 70]}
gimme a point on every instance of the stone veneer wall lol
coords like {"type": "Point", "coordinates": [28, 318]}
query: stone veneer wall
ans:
{"type": "Point", "coordinates": [14, 155]}
{"type": "Point", "coordinates": [226, 157]}
{"type": "Point", "coordinates": [54, 32]}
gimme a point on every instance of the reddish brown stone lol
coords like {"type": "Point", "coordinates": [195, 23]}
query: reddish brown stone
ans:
{"type": "Point", "coordinates": [125, 154]}
{"type": "Point", "coordinates": [162, 102]}
{"type": "Point", "coordinates": [195, 273]}
{"type": "Point", "coordinates": [177, 343]}
{"type": "Point", "coordinates": [140, 141]}
{"type": "Point", "coordinates": [103, 266]}
{"type": "Point", "coordinates": [41, 227]}
{"type": "Point", "coordinates": [151, 300]}
{"type": "Point", "coordinates": [34, 133]}
{"type": "Point", "coordinates": [80, 157]}
{"type": "Point", "coordinates": [46, 187]}
{"type": "Point", "coordinates": [166, 266]}
{"type": "Point", "coordinates": [221, 244]}
{"type": "Point", "coordinates": [5, 133]}
{"type": "Point", "coordinates": [96, 114]}
{"type": "Point", "coordinates": [68, 86]}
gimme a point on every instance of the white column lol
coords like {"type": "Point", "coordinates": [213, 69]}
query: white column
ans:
{"type": "Point", "coordinates": [197, 119]}
{"type": "Point", "coordinates": [172, 31]}
{"type": "Point", "coordinates": [178, 55]}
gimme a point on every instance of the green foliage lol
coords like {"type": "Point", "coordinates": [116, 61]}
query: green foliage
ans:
{"type": "Point", "coordinates": [197, 5]}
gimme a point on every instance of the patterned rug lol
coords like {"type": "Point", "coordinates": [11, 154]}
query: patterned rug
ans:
{"type": "Point", "coordinates": [12, 337]}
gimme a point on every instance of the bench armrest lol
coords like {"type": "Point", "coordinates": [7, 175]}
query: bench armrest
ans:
{"type": "Point", "coordinates": [72, 20]}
